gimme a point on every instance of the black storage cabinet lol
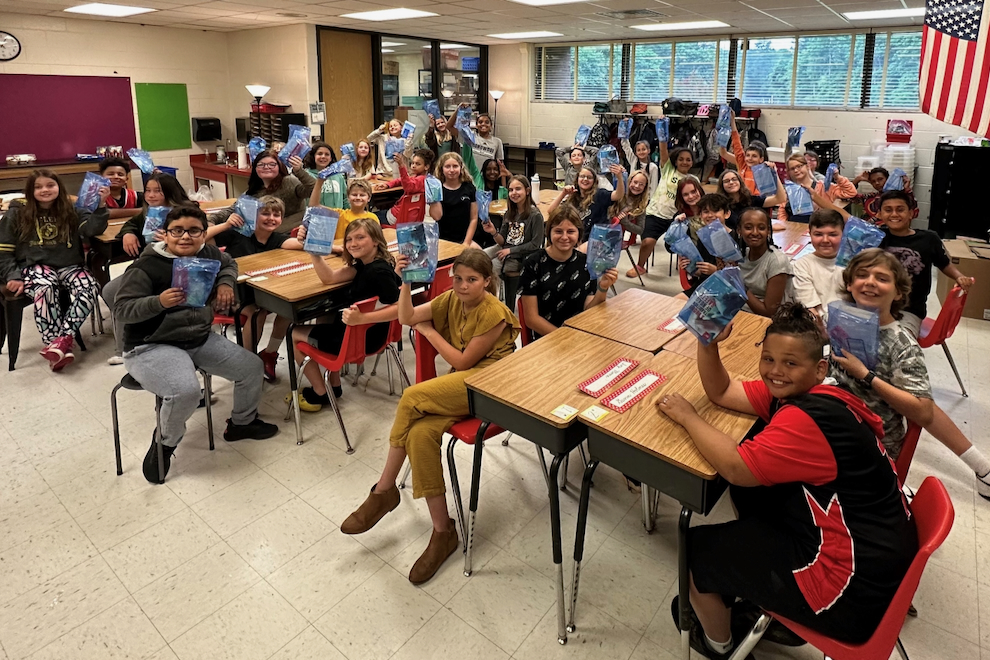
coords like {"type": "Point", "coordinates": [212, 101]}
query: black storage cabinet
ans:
{"type": "Point", "coordinates": [957, 204]}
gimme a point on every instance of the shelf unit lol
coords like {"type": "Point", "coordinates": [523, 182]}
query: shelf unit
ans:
{"type": "Point", "coordinates": [655, 116]}
{"type": "Point", "coordinates": [274, 126]}
{"type": "Point", "coordinates": [530, 161]}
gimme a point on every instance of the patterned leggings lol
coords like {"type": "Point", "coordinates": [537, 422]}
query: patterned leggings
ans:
{"type": "Point", "coordinates": [45, 284]}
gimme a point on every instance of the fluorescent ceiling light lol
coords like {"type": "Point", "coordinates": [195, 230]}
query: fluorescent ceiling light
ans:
{"type": "Point", "coordinates": [389, 14]}
{"type": "Point", "coordinates": [387, 50]}
{"type": "Point", "coordinates": [525, 35]}
{"type": "Point", "coordinates": [544, 3]}
{"type": "Point", "coordinates": [449, 46]}
{"type": "Point", "coordinates": [101, 9]}
{"type": "Point", "coordinates": [885, 13]}
{"type": "Point", "coordinates": [390, 44]}
{"type": "Point", "coordinates": [690, 25]}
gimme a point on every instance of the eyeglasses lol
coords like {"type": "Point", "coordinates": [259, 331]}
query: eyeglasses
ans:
{"type": "Point", "coordinates": [194, 232]}
{"type": "Point", "coordinates": [267, 166]}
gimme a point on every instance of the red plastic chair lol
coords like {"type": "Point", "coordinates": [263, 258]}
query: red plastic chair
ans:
{"type": "Point", "coordinates": [527, 336]}
{"type": "Point", "coordinates": [685, 284]}
{"type": "Point", "coordinates": [626, 244]}
{"type": "Point", "coordinates": [936, 331]}
{"type": "Point", "coordinates": [395, 341]}
{"type": "Point", "coordinates": [443, 280]}
{"type": "Point", "coordinates": [903, 462]}
{"type": "Point", "coordinates": [933, 514]}
{"type": "Point", "coordinates": [352, 351]}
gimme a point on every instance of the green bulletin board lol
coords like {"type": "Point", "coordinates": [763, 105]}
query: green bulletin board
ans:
{"type": "Point", "coordinates": [163, 116]}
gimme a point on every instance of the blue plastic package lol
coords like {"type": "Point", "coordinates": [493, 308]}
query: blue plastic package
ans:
{"type": "Point", "coordinates": [420, 242]}
{"type": "Point", "coordinates": [298, 144]}
{"type": "Point", "coordinates": [408, 130]}
{"type": "Point", "coordinates": [142, 159]}
{"type": "Point", "coordinates": [857, 236]}
{"type": "Point", "coordinates": [195, 276]}
{"type": "Point", "coordinates": [321, 228]}
{"type": "Point", "coordinates": [852, 329]}
{"type": "Point", "coordinates": [830, 173]}
{"type": "Point", "coordinates": [717, 240]}
{"type": "Point", "coordinates": [765, 177]}
{"type": "Point", "coordinates": [685, 247]}
{"type": "Point", "coordinates": [724, 117]}
{"type": "Point", "coordinates": [675, 232]}
{"type": "Point", "coordinates": [432, 108]}
{"type": "Point", "coordinates": [154, 220]}
{"type": "Point", "coordinates": [256, 146]}
{"type": "Point", "coordinates": [799, 199]}
{"type": "Point", "coordinates": [663, 129]}
{"type": "Point", "coordinates": [714, 304]}
{"type": "Point", "coordinates": [434, 189]}
{"type": "Point", "coordinates": [394, 146]}
{"type": "Point", "coordinates": [604, 249]}
{"type": "Point", "coordinates": [483, 199]}
{"type": "Point", "coordinates": [794, 135]}
{"type": "Point", "coordinates": [247, 207]}
{"type": "Point", "coordinates": [89, 191]}
{"type": "Point", "coordinates": [625, 128]}
{"type": "Point", "coordinates": [462, 123]}
{"type": "Point", "coordinates": [895, 181]}
{"type": "Point", "coordinates": [582, 135]}
{"type": "Point", "coordinates": [348, 150]}
{"type": "Point", "coordinates": [342, 166]}
{"type": "Point", "coordinates": [607, 156]}
{"type": "Point", "coordinates": [723, 136]}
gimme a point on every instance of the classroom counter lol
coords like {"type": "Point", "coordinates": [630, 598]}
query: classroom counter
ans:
{"type": "Point", "coordinates": [13, 177]}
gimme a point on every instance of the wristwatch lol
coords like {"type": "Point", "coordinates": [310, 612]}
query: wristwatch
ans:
{"type": "Point", "coordinates": [868, 379]}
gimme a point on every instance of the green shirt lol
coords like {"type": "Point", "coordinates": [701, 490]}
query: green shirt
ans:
{"type": "Point", "coordinates": [333, 193]}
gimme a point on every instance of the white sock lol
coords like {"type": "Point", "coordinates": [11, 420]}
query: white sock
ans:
{"type": "Point", "coordinates": [274, 343]}
{"type": "Point", "coordinates": [719, 647]}
{"type": "Point", "coordinates": [975, 459]}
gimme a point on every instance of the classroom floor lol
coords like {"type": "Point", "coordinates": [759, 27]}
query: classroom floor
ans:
{"type": "Point", "coordinates": [238, 555]}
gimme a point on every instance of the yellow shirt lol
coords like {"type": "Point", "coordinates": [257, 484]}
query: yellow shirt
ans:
{"type": "Point", "coordinates": [458, 328]}
{"type": "Point", "coordinates": [347, 217]}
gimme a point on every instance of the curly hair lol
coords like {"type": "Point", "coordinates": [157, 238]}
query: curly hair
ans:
{"type": "Point", "coordinates": [879, 257]}
{"type": "Point", "coordinates": [795, 320]}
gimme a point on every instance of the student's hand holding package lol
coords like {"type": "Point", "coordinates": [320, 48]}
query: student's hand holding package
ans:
{"type": "Point", "coordinates": [617, 170]}
{"type": "Point", "coordinates": [851, 364]}
{"type": "Point", "coordinates": [104, 193]}
{"type": "Point", "coordinates": [569, 190]}
{"type": "Point", "coordinates": [301, 235]}
{"type": "Point", "coordinates": [169, 298]}
{"type": "Point", "coordinates": [295, 162]}
{"type": "Point", "coordinates": [234, 221]}
{"type": "Point", "coordinates": [401, 261]}
{"type": "Point", "coordinates": [608, 278]}
{"type": "Point", "coordinates": [400, 160]}
{"type": "Point", "coordinates": [16, 287]}
{"type": "Point", "coordinates": [702, 267]}
{"type": "Point", "coordinates": [489, 227]}
{"type": "Point", "coordinates": [722, 336]}
{"type": "Point", "coordinates": [132, 246]}
{"type": "Point", "coordinates": [965, 282]}
{"type": "Point", "coordinates": [676, 407]}
{"type": "Point", "coordinates": [225, 298]}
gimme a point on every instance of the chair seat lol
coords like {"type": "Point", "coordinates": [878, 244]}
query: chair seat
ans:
{"type": "Point", "coordinates": [467, 430]}
{"type": "Point", "coordinates": [128, 383]}
{"type": "Point", "coordinates": [926, 328]}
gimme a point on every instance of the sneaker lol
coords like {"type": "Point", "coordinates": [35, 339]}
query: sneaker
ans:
{"type": "Point", "coordinates": [269, 360]}
{"type": "Point", "coordinates": [255, 430]}
{"type": "Point", "coordinates": [63, 345]}
{"type": "Point", "coordinates": [983, 485]}
{"type": "Point", "coordinates": [114, 360]}
{"type": "Point", "coordinates": [150, 466]}
{"type": "Point", "coordinates": [635, 271]}
{"type": "Point", "coordinates": [698, 642]}
{"type": "Point", "coordinates": [52, 352]}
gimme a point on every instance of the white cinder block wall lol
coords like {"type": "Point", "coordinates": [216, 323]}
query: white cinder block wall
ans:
{"type": "Point", "coordinates": [511, 69]}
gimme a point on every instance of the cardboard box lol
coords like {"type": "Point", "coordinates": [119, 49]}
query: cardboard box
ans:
{"type": "Point", "coordinates": [972, 259]}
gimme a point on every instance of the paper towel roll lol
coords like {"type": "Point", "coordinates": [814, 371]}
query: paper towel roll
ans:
{"type": "Point", "coordinates": [242, 160]}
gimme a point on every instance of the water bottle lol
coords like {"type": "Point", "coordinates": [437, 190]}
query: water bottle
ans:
{"type": "Point", "coordinates": [534, 182]}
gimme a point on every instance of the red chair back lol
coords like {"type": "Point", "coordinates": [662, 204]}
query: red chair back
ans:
{"type": "Point", "coordinates": [526, 336]}
{"type": "Point", "coordinates": [685, 284]}
{"type": "Point", "coordinates": [626, 244]}
{"type": "Point", "coordinates": [443, 280]}
{"type": "Point", "coordinates": [933, 514]}
{"type": "Point", "coordinates": [426, 359]}
{"type": "Point", "coordinates": [352, 348]}
{"type": "Point", "coordinates": [943, 326]}
{"type": "Point", "coordinates": [903, 462]}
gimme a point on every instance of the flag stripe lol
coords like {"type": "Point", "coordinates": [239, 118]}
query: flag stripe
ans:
{"type": "Point", "coordinates": [948, 59]}
{"type": "Point", "coordinates": [979, 123]}
{"type": "Point", "coordinates": [934, 50]}
{"type": "Point", "coordinates": [971, 110]}
{"type": "Point", "coordinates": [961, 80]}
{"type": "Point", "coordinates": [925, 72]}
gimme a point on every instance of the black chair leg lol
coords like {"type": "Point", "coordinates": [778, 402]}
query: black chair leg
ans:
{"type": "Point", "coordinates": [14, 312]}
{"type": "Point", "coordinates": [3, 325]}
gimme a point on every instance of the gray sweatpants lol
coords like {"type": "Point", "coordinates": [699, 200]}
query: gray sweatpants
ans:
{"type": "Point", "coordinates": [170, 373]}
{"type": "Point", "coordinates": [109, 295]}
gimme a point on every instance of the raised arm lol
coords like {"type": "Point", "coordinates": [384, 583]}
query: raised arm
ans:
{"type": "Point", "coordinates": [472, 225]}
{"type": "Point", "coordinates": [620, 182]}
{"type": "Point", "coordinates": [721, 390]}
{"type": "Point", "coordinates": [328, 275]}
{"type": "Point", "coordinates": [779, 196]}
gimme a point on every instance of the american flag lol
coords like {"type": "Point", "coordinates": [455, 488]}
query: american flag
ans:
{"type": "Point", "coordinates": [955, 63]}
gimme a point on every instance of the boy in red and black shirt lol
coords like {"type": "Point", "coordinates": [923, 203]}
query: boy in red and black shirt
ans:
{"type": "Point", "coordinates": [412, 206]}
{"type": "Point", "coordinates": [824, 535]}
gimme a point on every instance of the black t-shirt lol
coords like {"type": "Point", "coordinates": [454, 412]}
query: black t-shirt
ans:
{"type": "Point", "coordinates": [560, 287]}
{"type": "Point", "coordinates": [456, 212]}
{"type": "Point", "coordinates": [597, 213]}
{"type": "Point", "coordinates": [375, 279]}
{"type": "Point", "coordinates": [917, 253]}
{"type": "Point", "coordinates": [238, 245]}
{"type": "Point", "coordinates": [736, 210]}
{"type": "Point", "coordinates": [122, 200]}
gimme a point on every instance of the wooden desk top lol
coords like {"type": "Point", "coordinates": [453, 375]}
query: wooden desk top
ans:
{"type": "Point", "coordinates": [544, 375]}
{"type": "Point", "coordinates": [114, 226]}
{"type": "Point", "coordinates": [645, 427]}
{"type": "Point", "coordinates": [501, 206]}
{"type": "Point", "coordinates": [795, 233]}
{"type": "Point", "coordinates": [740, 353]}
{"type": "Point", "coordinates": [306, 284]}
{"type": "Point", "coordinates": [631, 318]}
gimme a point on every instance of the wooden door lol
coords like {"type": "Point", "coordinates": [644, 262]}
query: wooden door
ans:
{"type": "Point", "coordinates": [346, 77]}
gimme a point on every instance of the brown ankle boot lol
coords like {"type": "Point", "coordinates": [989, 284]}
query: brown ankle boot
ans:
{"type": "Point", "coordinates": [442, 545]}
{"type": "Point", "coordinates": [371, 511]}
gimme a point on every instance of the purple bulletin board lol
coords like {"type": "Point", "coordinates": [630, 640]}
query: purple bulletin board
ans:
{"type": "Point", "coordinates": [57, 117]}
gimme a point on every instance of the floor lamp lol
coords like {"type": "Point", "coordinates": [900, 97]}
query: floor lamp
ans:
{"type": "Point", "coordinates": [496, 95]}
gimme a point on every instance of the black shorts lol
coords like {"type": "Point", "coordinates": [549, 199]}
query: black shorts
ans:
{"type": "Point", "coordinates": [328, 337]}
{"type": "Point", "coordinates": [753, 559]}
{"type": "Point", "coordinates": [656, 227]}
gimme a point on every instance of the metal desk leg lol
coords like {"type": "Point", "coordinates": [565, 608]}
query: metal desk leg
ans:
{"type": "Point", "coordinates": [647, 497]}
{"type": "Point", "coordinates": [294, 382]}
{"type": "Point", "coordinates": [479, 453]}
{"type": "Point", "coordinates": [558, 555]}
{"type": "Point", "coordinates": [683, 581]}
{"type": "Point", "coordinates": [582, 525]}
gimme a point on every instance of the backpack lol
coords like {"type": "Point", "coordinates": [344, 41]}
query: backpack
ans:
{"type": "Point", "coordinates": [644, 130]}
{"type": "Point", "coordinates": [756, 134]}
{"type": "Point", "coordinates": [686, 135]}
{"type": "Point", "coordinates": [599, 134]}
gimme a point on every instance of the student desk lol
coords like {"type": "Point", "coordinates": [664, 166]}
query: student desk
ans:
{"type": "Point", "coordinates": [646, 445]}
{"type": "Point", "coordinates": [108, 247]}
{"type": "Point", "coordinates": [740, 352]}
{"type": "Point", "coordinates": [633, 318]}
{"type": "Point", "coordinates": [792, 238]}
{"type": "Point", "coordinates": [301, 296]}
{"type": "Point", "coordinates": [500, 206]}
{"type": "Point", "coordinates": [520, 393]}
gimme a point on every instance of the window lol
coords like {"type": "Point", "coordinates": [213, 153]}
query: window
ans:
{"type": "Point", "coordinates": [594, 64]}
{"type": "Point", "coordinates": [557, 73]}
{"type": "Point", "coordinates": [694, 70]}
{"type": "Point", "coordinates": [768, 69]}
{"type": "Point", "coordinates": [724, 55]}
{"type": "Point", "coordinates": [823, 70]}
{"type": "Point", "coordinates": [651, 76]}
{"type": "Point", "coordinates": [900, 89]}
